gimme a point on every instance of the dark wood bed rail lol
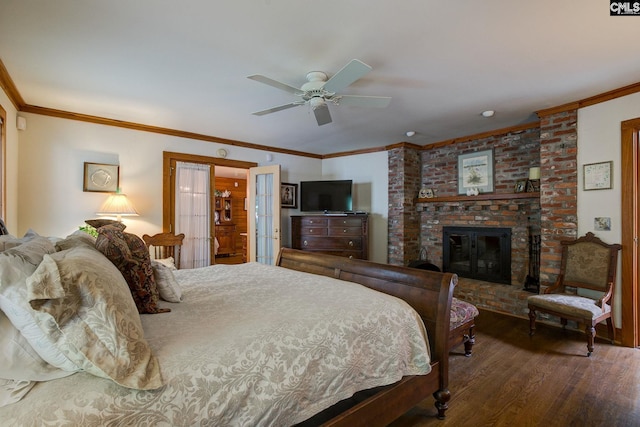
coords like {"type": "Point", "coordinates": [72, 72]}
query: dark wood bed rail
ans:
{"type": "Point", "coordinates": [428, 292]}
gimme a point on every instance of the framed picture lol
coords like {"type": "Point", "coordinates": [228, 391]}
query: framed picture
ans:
{"type": "Point", "coordinates": [602, 223]}
{"type": "Point", "coordinates": [288, 195]}
{"type": "Point", "coordinates": [101, 178]}
{"type": "Point", "coordinates": [475, 171]}
{"type": "Point", "coordinates": [598, 176]}
{"type": "Point", "coordinates": [521, 186]}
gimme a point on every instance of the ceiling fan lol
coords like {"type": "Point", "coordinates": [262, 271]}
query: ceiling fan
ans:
{"type": "Point", "coordinates": [318, 91]}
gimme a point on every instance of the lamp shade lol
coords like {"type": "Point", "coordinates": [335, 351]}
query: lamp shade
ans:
{"type": "Point", "coordinates": [534, 173]}
{"type": "Point", "coordinates": [117, 205]}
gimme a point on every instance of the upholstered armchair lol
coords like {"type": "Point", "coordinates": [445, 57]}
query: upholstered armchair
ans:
{"type": "Point", "coordinates": [583, 291]}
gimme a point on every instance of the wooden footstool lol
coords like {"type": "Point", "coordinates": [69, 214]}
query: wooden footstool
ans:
{"type": "Point", "coordinates": [463, 315]}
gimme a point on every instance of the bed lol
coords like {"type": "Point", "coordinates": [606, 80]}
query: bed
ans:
{"type": "Point", "coordinates": [253, 345]}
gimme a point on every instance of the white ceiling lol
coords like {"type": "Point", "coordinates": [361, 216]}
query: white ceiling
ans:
{"type": "Point", "coordinates": [183, 64]}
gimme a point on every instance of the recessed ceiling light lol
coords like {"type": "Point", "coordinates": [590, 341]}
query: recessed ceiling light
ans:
{"type": "Point", "coordinates": [488, 113]}
{"type": "Point", "coordinates": [410, 133]}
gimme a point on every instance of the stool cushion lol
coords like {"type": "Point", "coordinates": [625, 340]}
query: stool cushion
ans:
{"type": "Point", "coordinates": [461, 313]}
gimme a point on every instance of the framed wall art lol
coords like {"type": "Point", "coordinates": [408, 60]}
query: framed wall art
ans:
{"type": "Point", "coordinates": [288, 195]}
{"type": "Point", "coordinates": [598, 176]}
{"type": "Point", "coordinates": [101, 177]}
{"type": "Point", "coordinates": [475, 172]}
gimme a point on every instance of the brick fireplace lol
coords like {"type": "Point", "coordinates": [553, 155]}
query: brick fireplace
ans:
{"type": "Point", "coordinates": [516, 215]}
{"type": "Point", "coordinates": [414, 223]}
{"type": "Point", "coordinates": [482, 253]}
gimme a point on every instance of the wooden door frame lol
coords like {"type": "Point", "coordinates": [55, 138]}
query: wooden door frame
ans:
{"type": "Point", "coordinates": [630, 188]}
{"type": "Point", "coordinates": [168, 202]}
{"type": "Point", "coordinates": [168, 207]}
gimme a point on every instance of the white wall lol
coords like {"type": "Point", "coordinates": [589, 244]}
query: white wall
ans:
{"type": "Point", "coordinates": [51, 167]}
{"type": "Point", "coordinates": [599, 141]}
{"type": "Point", "coordinates": [370, 175]}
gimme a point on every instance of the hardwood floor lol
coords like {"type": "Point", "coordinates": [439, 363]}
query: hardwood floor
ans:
{"type": "Point", "coordinates": [545, 380]}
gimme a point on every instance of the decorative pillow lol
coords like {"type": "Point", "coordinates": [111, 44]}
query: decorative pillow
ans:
{"type": "Point", "coordinates": [82, 303]}
{"type": "Point", "coordinates": [101, 222]}
{"type": "Point", "coordinates": [8, 241]}
{"type": "Point", "coordinates": [78, 238]}
{"type": "Point", "coordinates": [14, 272]}
{"type": "Point", "coordinates": [32, 250]}
{"type": "Point", "coordinates": [131, 256]}
{"type": "Point", "coordinates": [168, 286]}
{"type": "Point", "coordinates": [167, 262]}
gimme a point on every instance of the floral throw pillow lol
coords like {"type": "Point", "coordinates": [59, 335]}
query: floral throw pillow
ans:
{"type": "Point", "coordinates": [130, 255]}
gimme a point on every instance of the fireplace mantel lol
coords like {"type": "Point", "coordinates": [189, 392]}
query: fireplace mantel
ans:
{"type": "Point", "coordinates": [488, 196]}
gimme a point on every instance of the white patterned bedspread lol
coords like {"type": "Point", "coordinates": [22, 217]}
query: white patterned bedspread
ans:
{"type": "Point", "coordinates": [249, 345]}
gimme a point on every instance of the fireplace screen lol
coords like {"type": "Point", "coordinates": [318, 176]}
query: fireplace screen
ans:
{"type": "Point", "coordinates": [478, 253]}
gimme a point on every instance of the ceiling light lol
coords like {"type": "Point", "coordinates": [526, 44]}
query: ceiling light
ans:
{"type": "Point", "coordinates": [410, 133]}
{"type": "Point", "coordinates": [488, 113]}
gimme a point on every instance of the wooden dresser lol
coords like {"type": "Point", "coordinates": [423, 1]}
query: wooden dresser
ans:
{"type": "Point", "coordinates": [337, 235]}
{"type": "Point", "coordinates": [226, 235]}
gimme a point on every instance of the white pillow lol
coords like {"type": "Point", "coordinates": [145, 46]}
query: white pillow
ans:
{"type": "Point", "coordinates": [19, 361]}
{"type": "Point", "coordinates": [168, 287]}
{"type": "Point", "coordinates": [167, 262]}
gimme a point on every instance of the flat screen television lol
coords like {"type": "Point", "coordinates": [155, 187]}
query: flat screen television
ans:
{"type": "Point", "coordinates": [326, 196]}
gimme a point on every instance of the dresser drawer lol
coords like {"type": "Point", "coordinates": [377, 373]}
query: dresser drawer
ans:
{"type": "Point", "coordinates": [314, 231]}
{"type": "Point", "coordinates": [346, 254]}
{"type": "Point", "coordinates": [313, 222]}
{"type": "Point", "coordinates": [349, 221]}
{"type": "Point", "coordinates": [345, 231]}
{"type": "Point", "coordinates": [338, 243]}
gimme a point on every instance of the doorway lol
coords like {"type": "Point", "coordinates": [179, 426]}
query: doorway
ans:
{"type": "Point", "coordinates": [231, 218]}
{"type": "Point", "coordinates": [630, 140]}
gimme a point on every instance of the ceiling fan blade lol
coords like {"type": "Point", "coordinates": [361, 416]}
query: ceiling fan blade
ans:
{"type": "Point", "coordinates": [278, 108]}
{"type": "Point", "coordinates": [278, 85]}
{"type": "Point", "coordinates": [347, 75]}
{"type": "Point", "coordinates": [363, 101]}
{"type": "Point", "coordinates": [322, 114]}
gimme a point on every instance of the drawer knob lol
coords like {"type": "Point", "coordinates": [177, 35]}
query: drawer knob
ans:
{"type": "Point", "coordinates": [344, 231]}
{"type": "Point", "coordinates": [311, 230]}
{"type": "Point", "coordinates": [350, 242]}
{"type": "Point", "coordinates": [304, 243]}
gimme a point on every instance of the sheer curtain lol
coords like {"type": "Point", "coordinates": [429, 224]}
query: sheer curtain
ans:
{"type": "Point", "coordinates": [193, 213]}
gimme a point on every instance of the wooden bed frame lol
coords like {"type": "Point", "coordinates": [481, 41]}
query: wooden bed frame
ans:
{"type": "Point", "coordinates": [430, 294]}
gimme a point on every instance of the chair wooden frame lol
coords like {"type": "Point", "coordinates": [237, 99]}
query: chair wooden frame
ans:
{"type": "Point", "coordinates": [165, 245]}
{"type": "Point", "coordinates": [561, 283]}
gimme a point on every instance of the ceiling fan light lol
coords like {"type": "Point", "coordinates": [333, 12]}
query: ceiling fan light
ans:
{"type": "Point", "coordinates": [316, 102]}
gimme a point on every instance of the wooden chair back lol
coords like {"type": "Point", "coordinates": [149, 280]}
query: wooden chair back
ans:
{"type": "Point", "coordinates": [587, 263]}
{"type": "Point", "coordinates": [587, 271]}
{"type": "Point", "coordinates": [165, 245]}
